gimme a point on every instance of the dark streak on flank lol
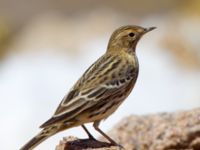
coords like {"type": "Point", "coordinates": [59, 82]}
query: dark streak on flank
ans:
{"type": "Point", "coordinates": [128, 78]}
{"type": "Point", "coordinates": [110, 83]}
{"type": "Point", "coordinates": [106, 109]}
{"type": "Point", "coordinates": [110, 106]}
{"type": "Point", "coordinates": [100, 106]}
{"type": "Point", "coordinates": [122, 81]}
{"type": "Point", "coordinates": [95, 114]}
{"type": "Point", "coordinates": [117, 82]}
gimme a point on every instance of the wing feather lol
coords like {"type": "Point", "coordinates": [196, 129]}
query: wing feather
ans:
{"type": "Point", "coordinates": [80, 98]}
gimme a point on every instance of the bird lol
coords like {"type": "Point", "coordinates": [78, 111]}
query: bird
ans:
{"type": "Point", "coordinates": [100, 90]}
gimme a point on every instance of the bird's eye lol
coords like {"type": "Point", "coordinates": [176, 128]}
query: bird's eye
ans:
{"type": "Point", "coordinates": [131, 34]}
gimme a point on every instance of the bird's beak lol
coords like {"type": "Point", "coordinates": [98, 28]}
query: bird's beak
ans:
{"type": "Point", "coordinates": [149, 29]}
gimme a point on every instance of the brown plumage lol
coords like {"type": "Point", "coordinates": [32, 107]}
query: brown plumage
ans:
{"type": "Point", "coordinates": [100, 90]}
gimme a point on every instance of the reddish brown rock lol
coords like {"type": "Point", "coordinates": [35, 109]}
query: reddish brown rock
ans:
{"type": "Point", "coordinates": [164, 131]}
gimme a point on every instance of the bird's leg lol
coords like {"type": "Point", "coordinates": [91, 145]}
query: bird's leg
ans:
{"type": "Point", "coordinates": [88, 133]}
{"type": "Point", "coordinates": [96, 126]}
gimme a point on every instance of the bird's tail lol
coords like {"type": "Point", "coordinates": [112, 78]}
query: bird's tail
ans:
{"type": "Point", "coordinates": [43, 135]}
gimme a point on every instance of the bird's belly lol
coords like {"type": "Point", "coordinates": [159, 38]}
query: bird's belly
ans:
{"type": "Point", "coordinates": [109, 107]}
{"type": "Point", "coordinates": [101, 113]}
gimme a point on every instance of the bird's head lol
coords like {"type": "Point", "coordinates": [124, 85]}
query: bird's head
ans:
{"type": "Point", "coordinates": [126, 37]}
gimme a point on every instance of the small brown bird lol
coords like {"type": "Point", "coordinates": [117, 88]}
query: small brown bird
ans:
{"type": "Point", "coordinates": [100, 90]}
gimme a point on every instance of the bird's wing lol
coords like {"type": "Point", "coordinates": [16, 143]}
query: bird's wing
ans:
{"type": "Point", "coordinates": [91, 88]}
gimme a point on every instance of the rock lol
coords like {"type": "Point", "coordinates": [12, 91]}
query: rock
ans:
{"type": "Point", "coordinates": [163, 131]}
{"type": "Point", "coordinates": [73, 143]}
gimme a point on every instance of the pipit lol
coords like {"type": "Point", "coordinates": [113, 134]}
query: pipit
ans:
{"type": "Point", "coordinates": [100, 90]}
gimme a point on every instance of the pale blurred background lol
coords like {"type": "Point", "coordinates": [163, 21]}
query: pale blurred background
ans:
{"type": "Point", "coordinates": [45, 46]}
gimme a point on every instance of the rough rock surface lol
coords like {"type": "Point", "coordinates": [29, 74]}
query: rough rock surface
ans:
{"type": "Point", "coordinates": [164, 131]}
{"type": "Point", "coordinates": [73, 143]}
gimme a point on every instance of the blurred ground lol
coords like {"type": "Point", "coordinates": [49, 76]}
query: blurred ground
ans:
{"type": "Point", "coordinates": [45, 46]}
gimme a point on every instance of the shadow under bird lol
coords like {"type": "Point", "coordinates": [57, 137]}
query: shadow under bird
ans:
{"type": "Point", "coordinates": [100, 90]}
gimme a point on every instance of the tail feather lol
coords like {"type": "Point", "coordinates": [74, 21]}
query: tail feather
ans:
{"type": "Point", "coordinates": [43, 135]}
{"type": "Point", "coordinates": [33, 143]}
